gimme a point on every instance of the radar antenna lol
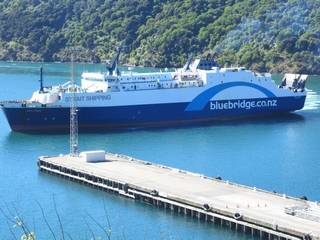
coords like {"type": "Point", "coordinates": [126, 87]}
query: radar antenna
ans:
{"type": "Point", "coordinates": [73, 112]}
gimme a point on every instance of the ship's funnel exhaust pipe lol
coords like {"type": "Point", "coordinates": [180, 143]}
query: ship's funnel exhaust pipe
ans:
{"type": "Point", "coordinates": [113, 68]}
{"type": "Point", "coordinates": [186, 67]}
{"type": "Point", "coordinates": [41, 81]}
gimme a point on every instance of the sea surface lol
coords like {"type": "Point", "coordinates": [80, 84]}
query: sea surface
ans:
{"type": "Point", "coordinates": [277, 154]}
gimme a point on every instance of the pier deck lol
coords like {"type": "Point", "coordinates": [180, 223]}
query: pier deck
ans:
{"type": "Point", "coordinates": [261, 213]}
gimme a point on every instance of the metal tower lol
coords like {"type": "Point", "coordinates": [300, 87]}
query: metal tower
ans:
{"type": "Point", "coordinates": [73, 113]}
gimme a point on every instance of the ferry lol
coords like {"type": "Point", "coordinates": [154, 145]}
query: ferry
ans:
{"type": "Point", "coordinates": [200, 92]}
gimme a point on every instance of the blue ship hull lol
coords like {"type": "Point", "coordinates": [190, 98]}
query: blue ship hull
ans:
{"type": "Point", "coordinates": [47, 119]}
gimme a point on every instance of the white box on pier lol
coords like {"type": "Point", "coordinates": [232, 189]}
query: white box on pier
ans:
{"type": "Point", "coordinates": [93, 156]}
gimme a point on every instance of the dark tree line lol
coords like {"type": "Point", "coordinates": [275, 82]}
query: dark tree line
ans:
{"type": "Point", "coordinates": [276, 35]}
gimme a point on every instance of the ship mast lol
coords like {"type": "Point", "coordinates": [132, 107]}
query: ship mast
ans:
{"type": "Point", "coordinates": [73, 113]}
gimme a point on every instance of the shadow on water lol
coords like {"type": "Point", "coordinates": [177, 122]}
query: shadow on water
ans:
{"type": "Point", "coordinates": [21, 138]}
{"type": "Point", "coordinates": [36, 144]}
{"type": "Point", "coordinates": [257, 120]}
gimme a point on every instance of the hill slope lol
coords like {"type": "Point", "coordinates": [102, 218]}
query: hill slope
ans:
{"type": "Point", "coordinates": [276, 35]}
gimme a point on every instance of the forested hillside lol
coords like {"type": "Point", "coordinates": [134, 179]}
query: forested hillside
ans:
{"type": "Point", "coordinates": [264, 35]}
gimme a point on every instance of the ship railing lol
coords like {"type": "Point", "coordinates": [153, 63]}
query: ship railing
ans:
{"type": "Point", "coordinates": [22, 102]}
{"type": "Point", "coordinates": [4, 103]}
{"type": "Point", "coordinates": [11, 101]}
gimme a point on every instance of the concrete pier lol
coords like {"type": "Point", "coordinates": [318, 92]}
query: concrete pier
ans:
{"type": "Point", "coordinates": [244, 209]}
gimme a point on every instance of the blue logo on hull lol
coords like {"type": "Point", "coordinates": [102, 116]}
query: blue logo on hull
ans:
{"type": "Point", "coordinates": [199, 102]}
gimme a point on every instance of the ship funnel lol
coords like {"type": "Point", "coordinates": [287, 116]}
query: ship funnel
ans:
{"type": "Point", "coordinates": [41, 81]}
{"type": "Point", "coordinates": [186, 67]}
{"type": "Point", "coordinates": [113, 67]}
